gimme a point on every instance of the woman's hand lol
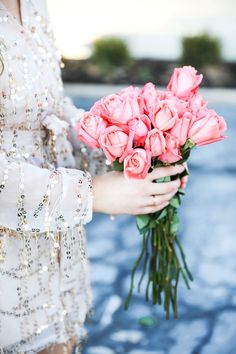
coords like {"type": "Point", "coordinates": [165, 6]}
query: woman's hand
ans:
{"type": "Point", "coordinates": [114, 194]}
{"type": "Point", "coordinates": [184, 180]}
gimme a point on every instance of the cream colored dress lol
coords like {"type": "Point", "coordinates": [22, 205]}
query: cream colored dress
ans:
{"type": "Point", "coordinates": [44, 199]}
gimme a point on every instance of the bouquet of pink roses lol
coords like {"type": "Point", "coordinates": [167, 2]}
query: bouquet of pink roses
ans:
{"type": "Point", "coordinates": [142, 129]}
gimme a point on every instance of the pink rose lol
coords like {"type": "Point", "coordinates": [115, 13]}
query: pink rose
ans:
{"type": "Point", "coordinates": [181, 106]}
{"type": "Point", "coordinates": [148, 98]}
{"type": "Point", "coordinates": [140, 126]}
{"type": "Point", "coordinates": [116, 143]}
{"type": "Point", "coordinates": [97, 107]}
{"type": "Point", "coordinates": [172, 153]}
{"type": "Point", "coordinates": [184, 82]}
{"type": "Point", "coordinates": [137, 163]}
{"type": "Point", "coordinates": [164, 115]}
{"type": "Point", "coordinates": [118, 109]}
{"type": "Point", "coordinates": [197, 104]}
{"type": "Point", "coordinates": [164, 95]}
{"type": "Point", "coordinates": [207, 129]}
{"type": "Point", "coordinates": [155, 142]}
{"type": "Point", "coordinates": [89, 128]}
{"type": "Point", "coordinates": [131, 91]}
{"type": "Point", "coordinates": [181, 128]}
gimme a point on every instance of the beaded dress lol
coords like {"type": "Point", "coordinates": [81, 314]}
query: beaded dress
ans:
{"type": "Point", "coordinates": [44, 198]}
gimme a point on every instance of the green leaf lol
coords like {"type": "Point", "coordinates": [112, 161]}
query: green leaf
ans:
{"type": "Point", "coordinates": [175, 202]}
{"type": "Point", "coordinates": [174, 228]}
{"type": "Point", "coordinates": [156, 163]}
{"type": "Point", "coordinates": [174, 224]}
{"type": "Point", "coordinates": [181, 191]}
{"type": "Point", "coordinates": [152, 224]}
{"type": "Point", "coordinates": [185, 155]}
{"type": "Point", "coordinates": [147, 321]}
{"type": "Point", "coordinates": [186, 150]}
{"type": "Point", "coordinates": [189, 144]}
{"type": "Point", "coordinates": [161, 215]}
{"type": "Point", "coordinates": [142, 221]}
{"type": "Point", "coordinates": [163, 179]}
{"type": "Point", "coordinates": [118, 166]}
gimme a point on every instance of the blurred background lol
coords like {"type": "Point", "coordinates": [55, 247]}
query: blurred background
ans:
{"type": "Point", "coordinates": [135, 41]}
{"type": "Point", "coordinates": [108, 45]}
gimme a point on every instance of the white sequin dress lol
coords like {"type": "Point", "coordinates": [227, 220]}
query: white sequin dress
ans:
{"type": "Point", "coordinates": [44, 199]}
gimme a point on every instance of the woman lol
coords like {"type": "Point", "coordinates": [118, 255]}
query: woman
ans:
{"type": "Point", "coordinates": [44, 199]}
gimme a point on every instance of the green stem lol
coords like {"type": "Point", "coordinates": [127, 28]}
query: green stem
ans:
{"type": "Point", "coordinates": [184, 259]}
{"type": "Point", "coordinates": [164, 261]}
{"type": "Point", "coordinates": [175, 308]}
{"type": "Point", "coordinates": [154, 266]}
{"type": "Point", "coordinates": [185, 277]}
{"type": "Point", "coordinates": [145, 261]}
{"type": "Point", "coordinates": [136, 264]}
{"type": "Point", "coordinates": [160, 259]}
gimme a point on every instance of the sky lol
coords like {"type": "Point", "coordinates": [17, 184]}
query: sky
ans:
{"type": "Point", "coordinates": [152, 28]}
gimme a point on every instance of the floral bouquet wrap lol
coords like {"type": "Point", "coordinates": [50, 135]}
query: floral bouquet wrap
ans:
{"type": "Point", "coordinates": [142, 129]}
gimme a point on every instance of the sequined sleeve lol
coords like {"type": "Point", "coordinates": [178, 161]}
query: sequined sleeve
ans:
{"type": "Point", "coordinates": [38, 199]}
{"type": "Point", "coordinates": [39, 187]}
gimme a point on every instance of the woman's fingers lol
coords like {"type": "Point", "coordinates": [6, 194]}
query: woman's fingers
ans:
{"type": "Point", "coordinates": [156, 200]}
{"type": "Point", "coordinates": [153, 209]}
{"type": "Point", "coordinates": [160, 199]}
{"type": "Point", "coordinates": [161, 172]}
{"type": "Point", "coordinates": [164, 188]}
{"type": "Point", "coordinates": [184, 180]}
{"type": "Point", "coordinates": [157, 203]}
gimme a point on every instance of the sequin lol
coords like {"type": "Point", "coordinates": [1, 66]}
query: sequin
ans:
{"type": "Point", "coordinates": [44, 199]}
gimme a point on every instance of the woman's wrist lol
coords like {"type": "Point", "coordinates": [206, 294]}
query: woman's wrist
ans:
{"type": "Point", "coordinates": [95, 188]}
{"type": "Point", "coordinates": [103, 192]}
